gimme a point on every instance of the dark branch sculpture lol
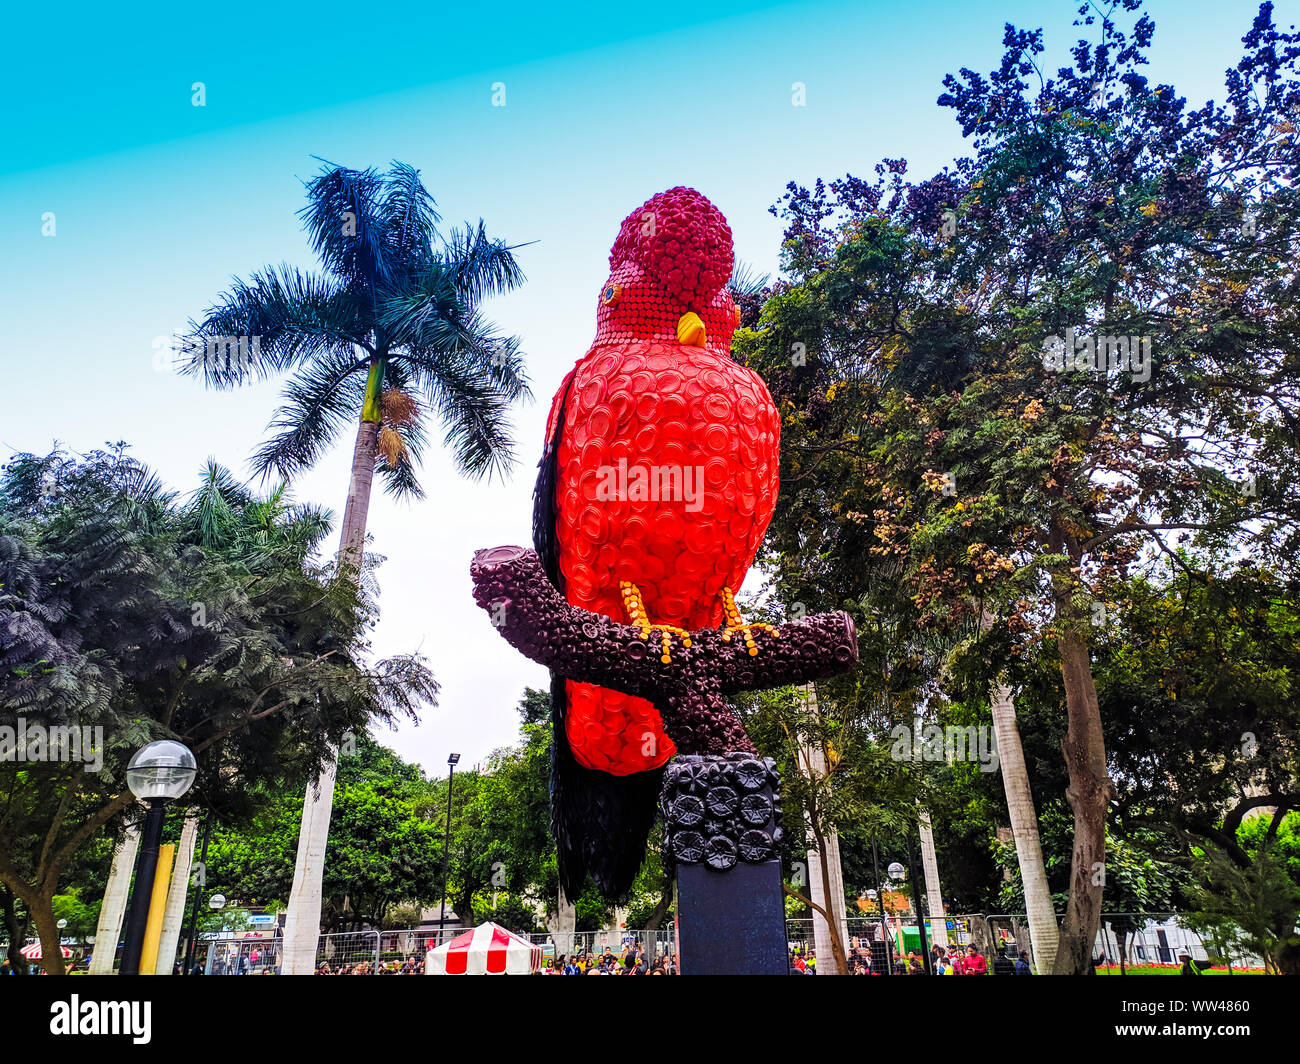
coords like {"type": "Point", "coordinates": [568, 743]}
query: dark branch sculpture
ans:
{"type": "Point", "coordinates": [689, 691]}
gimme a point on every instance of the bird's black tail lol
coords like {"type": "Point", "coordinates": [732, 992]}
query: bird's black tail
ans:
{"type": "Point", "coordinates": [600, 822]}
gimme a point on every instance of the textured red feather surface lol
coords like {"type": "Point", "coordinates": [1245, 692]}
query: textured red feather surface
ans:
{"type": "Point", "coordinates": [644, 415]}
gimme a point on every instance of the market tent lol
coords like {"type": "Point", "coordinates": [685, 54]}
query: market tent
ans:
{"type": "Point", "coordinates": [489, 949]}
{"type": "Point", "coordinates": [33, 952]}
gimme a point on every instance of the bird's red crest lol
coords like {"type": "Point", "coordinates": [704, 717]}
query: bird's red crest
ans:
{"type": "Point", "coordinates": [681, 241]}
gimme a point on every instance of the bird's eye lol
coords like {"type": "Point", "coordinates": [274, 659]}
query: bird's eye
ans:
{"type": "Point", "coordinates": [610, 296]}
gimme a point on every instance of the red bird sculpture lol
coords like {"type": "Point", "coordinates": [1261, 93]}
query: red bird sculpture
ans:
{"type": "Point", "coordinates": [657, 484]}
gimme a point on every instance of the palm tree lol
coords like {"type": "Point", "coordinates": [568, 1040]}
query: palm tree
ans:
{"type": "Point", "coordinates": [390, 332]}
{"type": "Point", "coordinates": [223, 514]}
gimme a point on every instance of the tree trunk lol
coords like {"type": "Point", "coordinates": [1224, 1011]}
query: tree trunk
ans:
{"type": "Point", "coordinates": [177, 892]}
{"type": "Point", "coordinates": [1024, 828]}
{"type": "Point", "coordinates": [829, 924]}
{"type": "Point", "coordinates": [825, 872]}
{"type": "Point", "coordinates": [656, 918]}
{"type": "Point", "coordinates": [41, 908]}
{"type": "Point", "coordinates": [15, 929]}
{"type": "Point", "coordinates": [302, 921]}
{"type": "Point", "coordinates": [109, 928]}
{"type": "Point", "coordinates": [933, 893]}
{"type": "Point", "coordinates": [1089, 792]}
{"type": "Point", "coordinates": [565, 923]}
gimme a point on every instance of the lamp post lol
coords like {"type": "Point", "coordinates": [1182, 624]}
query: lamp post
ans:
{"type": "Point", "coordinates": [884, 921]}
{"type": "Point", "coordinates": [158, 773]}
{"type": "Point", "coordinates": [896, 873]}
{"type": "Point", "coordinates": [918, 903]}
{"type": "Point", "coordinates": [452, 760]}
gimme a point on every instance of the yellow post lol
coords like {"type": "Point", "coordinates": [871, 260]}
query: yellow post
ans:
{"type": "Point", "coordinates": [157, 905]}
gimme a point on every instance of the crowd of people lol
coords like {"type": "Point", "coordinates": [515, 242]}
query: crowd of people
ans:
{"type": "Point", "coordinates": [413, 965]}
{"type": "Point", "coordinates": [631, 960]}
{"type": "Point", "coordinates": [863, 959]}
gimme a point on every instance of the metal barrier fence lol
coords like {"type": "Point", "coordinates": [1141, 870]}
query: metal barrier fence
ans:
{"type": "Point", "coordinates": [1152, 940]}
{"type": "Point", "coordinates": [231, 955]}
{"type": "Point", "coordinates": [354, 952]}
{"type": "Point", "coordinates": [660, 941]}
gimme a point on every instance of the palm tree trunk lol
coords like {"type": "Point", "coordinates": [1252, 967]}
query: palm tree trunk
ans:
{"type": "Point", "coordinates": [174, 912]}
{"type": "Point", "coordinates": [830, 920]}
{"type": "Point", "coordinates": [113, 908]}
{"type": "Point", "coordinates": [302, 921]}
{"type": "Point", "coordinates": [933, 892]}
{"type": "Point", "coordinates": [1043, 932]}
{"type": "Point", "coordinates": [825, 872]}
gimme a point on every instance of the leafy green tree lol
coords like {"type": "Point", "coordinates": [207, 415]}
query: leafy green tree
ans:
{"type": "Point", "coordinates": [856, 785]}
{"type": "Point", "coordinates": [1197, 672]}
{"type": "Point", "coordinates": [115, 617]}
{"type": "Point", "coordinates": [82, 918]}
{"type": "Point", "coordinates": [501, 840]}
{"type": "Point", "coordinates": [940, 452]}
{"type": "Point", "coordinates": [385, 846]}
{"type": "Point", "coordinates": [1261, 901]}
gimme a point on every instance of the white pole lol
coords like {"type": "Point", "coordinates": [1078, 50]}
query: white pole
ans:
{"type": "Point", "coordinates": [113, 908]}
{"type": "Point", "coordinates": [933, 895]}
{"type": "Point", "coordinates": [830, 894]}
{"type": "Point", "coordinates": [302, 922]}
{"type": "Point", "coordinates": [174, 912]}
{"type": "Point", "coordinates": [566, 923]}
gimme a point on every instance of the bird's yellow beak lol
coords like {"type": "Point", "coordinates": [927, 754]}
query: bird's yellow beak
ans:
{"type": "Point", "coordinates": [690, 330]}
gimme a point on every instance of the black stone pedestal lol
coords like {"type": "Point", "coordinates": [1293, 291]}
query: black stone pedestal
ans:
{"type": "Point", "coordinates": [722, 832]}
{"type": "Point", "coordinates": [732, 922]}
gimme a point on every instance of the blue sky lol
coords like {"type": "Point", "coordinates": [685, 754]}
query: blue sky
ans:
{"type": "Point", "coordinates": [158, 203]}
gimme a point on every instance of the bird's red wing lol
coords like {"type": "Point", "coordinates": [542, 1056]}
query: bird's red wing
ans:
{"type": "Point", "coordinates": [657, 407]}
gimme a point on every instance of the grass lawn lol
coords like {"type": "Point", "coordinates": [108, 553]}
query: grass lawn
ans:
{"type": "Point", "coordinates": [1173, 969]}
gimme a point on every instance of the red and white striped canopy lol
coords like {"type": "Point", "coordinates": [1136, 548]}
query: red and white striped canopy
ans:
{"type": "Point", "coordinates": [487, 950]}
{"type": "Point", "coordinates": [33, 952]}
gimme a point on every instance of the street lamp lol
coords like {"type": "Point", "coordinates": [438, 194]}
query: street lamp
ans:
{"type": "Point", "coordinates": [884, 921]}
{"type": "Point", "coordinates": [897, 873]}
{"type": "Point", "coordinates": [158, 773]}
{"type": "Point", "coordinates": [452, 761]}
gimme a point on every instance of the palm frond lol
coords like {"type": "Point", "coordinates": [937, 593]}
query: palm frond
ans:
{"type": "Point", "coordinates": [268, 324]}
{"type": "Point", "coordinates": [429, 321]}
{"type": "Point", "coordinates": [460, 386]}
{"type": "Point", "coordinates": [410, 216]}
{"type": "Point", "coordinates": [343, 217]}
{"type": "Point", "coordinates": [426, 312]}
{"type": "Point", "coordinates": [213, 505]}
{"type": "Point", "coordinates": [319, 401]}
{"type": "Point", "coordinates": [479, 266]}
{"type": "Point", "coordinates": [746, 281]}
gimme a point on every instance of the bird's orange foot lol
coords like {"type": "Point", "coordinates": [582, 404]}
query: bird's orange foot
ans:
{"type": "Point", "coordinates": [636, 612]}
{"type": "Point", "coordinates": [736, 623]}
